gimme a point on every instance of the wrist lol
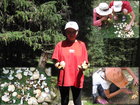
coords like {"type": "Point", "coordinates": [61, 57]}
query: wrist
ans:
{"type": "Point", "coordinates": [129, 25]}
{"type": "Point", "coordinates": [120, 90]}
{"type": "Point", "coordinates": [101, 19]}
{"type": "Point", "coordinates": [135, 78]}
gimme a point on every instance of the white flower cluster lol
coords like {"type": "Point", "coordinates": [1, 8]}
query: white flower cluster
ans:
{"type": "Point", "coordinates": [120, 32]}
{"type": "Point", "coordinates": [34, 89]}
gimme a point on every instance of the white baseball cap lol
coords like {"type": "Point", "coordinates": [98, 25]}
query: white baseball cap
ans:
{"type": "Point", "coordinates": [72, 24]}
{"type": "Point", "coordinates": [103, 9]}
{"type": "Point", "coordinates": [117, 6]}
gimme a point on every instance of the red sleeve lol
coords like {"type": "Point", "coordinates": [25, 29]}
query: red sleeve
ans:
{"type": "Point", "coordinates": [56, 52]}
{"type": "Point", "coordinates": [111, 4]}
{"type": "Point", "coordinates": [95, 21]}
{"type": "Point", "coordinates": [127, 6]}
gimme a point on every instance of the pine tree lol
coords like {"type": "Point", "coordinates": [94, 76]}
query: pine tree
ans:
{"type": "Point", "coordinates": [37, 23]}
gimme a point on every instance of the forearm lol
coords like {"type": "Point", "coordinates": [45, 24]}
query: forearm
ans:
{"type": "Point", "coordinates": [113, 94]}
{"type": "Point", "coordinates": [130, 72]}
{"type": "Point", "coordinates": [95, 21]}
{"type": "Point", "coordinates": [110, 16]}
{"type": "Point", "coordinates": [132, 19]}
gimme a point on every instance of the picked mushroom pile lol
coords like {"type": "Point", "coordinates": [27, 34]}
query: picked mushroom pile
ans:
{"type": "Point", "coordinates": [25, 86]}
{"type": "Point", "coordinates": [120, 32]}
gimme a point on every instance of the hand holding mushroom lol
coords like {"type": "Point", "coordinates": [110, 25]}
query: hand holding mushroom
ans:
{"type": "Point", "coordinates": [84, 66]}
{"type": "Point", "coordinates": [60, 65]}
{"type": "Point", "coordinates": [128, 27]}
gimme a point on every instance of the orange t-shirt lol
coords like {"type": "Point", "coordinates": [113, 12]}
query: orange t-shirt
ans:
{"type": "Point", "coordinates": [73, 54]}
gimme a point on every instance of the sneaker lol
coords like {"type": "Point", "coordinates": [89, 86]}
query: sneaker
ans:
{"type": "Point", "coordinates": [123, 18]}
{"type": "Point", "coordinates": [101, 101]}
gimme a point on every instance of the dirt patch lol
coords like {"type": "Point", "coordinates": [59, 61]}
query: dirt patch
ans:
{"type": "Point", "coordinates": [125, 99]}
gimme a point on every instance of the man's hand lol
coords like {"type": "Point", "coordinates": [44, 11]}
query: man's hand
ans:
{"type": "Point", "coordinates": [60, 65]}
{"type": "Point", "coordinates": [84, 66]}
{"type": "Point", "coordinates": [115, 17]}
{"type": "Point", "coordinates": [125, 90]}
{"type": "Point", "coordinates": [136, 81]}
{"type": "Point", "coordinates": [128, 27]}
{"type": "Point", "coordinates": [104, 18]}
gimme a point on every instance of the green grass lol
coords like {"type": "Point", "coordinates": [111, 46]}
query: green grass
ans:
{"type": "Point", "coordinates": [88, 103]}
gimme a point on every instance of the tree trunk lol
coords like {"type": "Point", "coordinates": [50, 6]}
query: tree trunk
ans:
{"type": "Point", "coordinates": [43, 59]}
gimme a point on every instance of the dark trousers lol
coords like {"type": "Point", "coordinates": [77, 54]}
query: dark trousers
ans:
{"type": "Point", "coordinates": [76, 93]}
{"type": "Point", "coordinates": [100, 90]}
{"type": "Point", "coordinates": [112, 89]}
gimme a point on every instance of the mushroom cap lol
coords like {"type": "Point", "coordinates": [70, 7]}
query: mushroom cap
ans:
{"type": "Point", "coordinates": [35, 75]}
{"type": "Point", "coordinates": [4, 85]}
{"type": "Point", "coordinates": [40, 99]}
{"type": "Point", "coordinates": [11, 88]}
{"type": "Point", "coordinates": [5, 98]}
{"type": "Point", "coordinates": [19, 71]}
{"type": "Point", "coordinates": [43, 94]}
{"type": "Point", "coordinates": [10, 77]}
{"type": "Point", "coordinates": [62, 63]}
{"type": "Point", "coordinates": [48, 71]}
{"type": "Point", "coordinates": [32, 100]}
{"type": "Point", "coordinates": [37, 92]}
{"type": "Point", "coordinates": [14, 94]}
{"type": "Point", "coordinates": [46, 90]}
{"type": "Point", "coordinates": [25, 73]}
{"type": "Point", "coordinates": [57, 64]}
{"type": "Point", "coordinates": [32, 68]}
{"type": "Point", "coordinates": [5, 71]}
{"type": "Point", "coordinates": [19, 76]}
